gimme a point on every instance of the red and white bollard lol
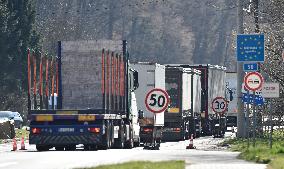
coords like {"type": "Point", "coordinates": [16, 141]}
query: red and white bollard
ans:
{"type": "Point", "coordinates": [190, 145]}
{"type": "Point", "coordinates": [23, 147]}
{"type": "Point", "coordinates": [14, 146]}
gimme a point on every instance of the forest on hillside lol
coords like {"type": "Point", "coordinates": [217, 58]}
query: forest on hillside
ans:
{"type": "Point", "coordinates": [163, 31]}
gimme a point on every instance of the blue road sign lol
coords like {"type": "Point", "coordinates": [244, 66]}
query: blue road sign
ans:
{"type": "Point", "coordinates": [250, 48]}
{"type": "Point", "coordinates": [250, 67]}
{"type": "Point", "coordinates": [258, 99]}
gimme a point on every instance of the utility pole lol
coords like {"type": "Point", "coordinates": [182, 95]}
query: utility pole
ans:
{"type": "Point", "coordinates": [241, 116]}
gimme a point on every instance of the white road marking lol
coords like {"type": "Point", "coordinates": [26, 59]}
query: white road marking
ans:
{"type": "Point", "coordinates": [7, 164]}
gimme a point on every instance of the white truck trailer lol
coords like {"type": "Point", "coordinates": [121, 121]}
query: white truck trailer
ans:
{"type": "Point", "coordinates": [151, 75]}
{"type": "Point", "coordinates": [231, 95]}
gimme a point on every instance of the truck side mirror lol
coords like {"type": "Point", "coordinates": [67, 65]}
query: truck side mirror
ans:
{"type": "Point", "coordinates": [231, 95]}
{"type": "Point", "coordinates": [140, 114]}
{"type": "Point", "coordinates": [135, 80]}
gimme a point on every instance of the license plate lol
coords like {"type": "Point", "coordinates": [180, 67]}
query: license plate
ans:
{"type": "Point", "coordinates": [86, 117]}
{"type": "Point", "coordinates": [44, 118]}
{"type": "Point", "coordinates": [66, 130]}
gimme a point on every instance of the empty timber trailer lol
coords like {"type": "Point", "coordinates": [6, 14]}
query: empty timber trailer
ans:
{"type": "Point", "coordinates": [96, 103]}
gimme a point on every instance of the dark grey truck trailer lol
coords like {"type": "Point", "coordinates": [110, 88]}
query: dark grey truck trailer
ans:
{"type": "Point", "coordinates": [95, 105]}
{"type": "Point", "coordinates": [184, 88]}
{"type": "Point", "coordinates": [212, 85]}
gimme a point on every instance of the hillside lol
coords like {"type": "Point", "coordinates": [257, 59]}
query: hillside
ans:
{"type": "Point", "coordinates": [164, 31]}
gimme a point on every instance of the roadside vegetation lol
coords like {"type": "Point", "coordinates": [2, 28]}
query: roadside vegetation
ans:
{"type": "Point", "coordinates": [261, 153]}
{"type": "Point", "coordinates": [19, 134]}
{"type": "Point", "coordinates": [22, 133]}
{"type": "Point", "coordinates": [144, 165]}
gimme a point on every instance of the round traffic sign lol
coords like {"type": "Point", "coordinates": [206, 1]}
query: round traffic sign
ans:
{"type": "Point", "coordinates": [219, 105]}
{"type": "Point", "coordinates": [253, 81]}
{"type": "Point", "coordinates": [157, 100]}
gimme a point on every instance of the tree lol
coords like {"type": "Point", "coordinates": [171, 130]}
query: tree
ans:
{"type": "Point", "coordinates": [17, 34]}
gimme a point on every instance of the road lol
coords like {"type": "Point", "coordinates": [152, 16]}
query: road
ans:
{"type": "Point", "coordinates": [206, 155]}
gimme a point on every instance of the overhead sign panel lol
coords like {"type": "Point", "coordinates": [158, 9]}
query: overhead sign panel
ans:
{"type": "Point", "coordinates": [270, 90]}
{"type": "Point", "coordinates": [250, 67]}
{"type": "Point", "coordinates": [250, 48]}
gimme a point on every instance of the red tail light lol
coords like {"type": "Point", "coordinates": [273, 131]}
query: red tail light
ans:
{"type": "Point", "coordinates": [147, 130]}
{"type": "Point", "coordinates": [94, 130]}
{"type": "Point", "coordinates": [176, 129]}
{"type": "Point", "coordinates": [35, 130]}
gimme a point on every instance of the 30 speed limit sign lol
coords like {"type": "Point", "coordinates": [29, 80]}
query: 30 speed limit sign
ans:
{"type": "Point", "coordinates": [219, 105]}
{"type": "Point", "coordinates": [157, 100]}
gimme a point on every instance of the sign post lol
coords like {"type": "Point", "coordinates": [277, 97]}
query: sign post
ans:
{"type": "Point", "coordinates": [253, 81]}
{"type": "Point", "coordinates": [270, 90]}
{"type": "Point", "coordinates": [219, 105]}
{"type": "Point", "coordinates": [250, 48]}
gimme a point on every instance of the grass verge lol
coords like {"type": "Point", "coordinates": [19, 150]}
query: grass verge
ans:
{"type": "Point", "coordinates": [144, 165]}
{"type": "Point", "coordinates": [22, 133]}
{"type": "Point", "coordinates": [261, 153]}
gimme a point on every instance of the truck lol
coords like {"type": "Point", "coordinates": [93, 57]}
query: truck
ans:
{"type": "Point", "coordinates": [181, 118]}
{"type": "Point", "coordinates": [212, 85]}
{"type": "Point", "coordinates": [151, 75]}
{"type": "Point", "coordinates": [231, 95]}
{"type": "Point", "coordinates": [96, 104]}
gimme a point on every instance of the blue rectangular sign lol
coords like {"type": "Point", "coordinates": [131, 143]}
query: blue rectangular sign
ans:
{"type": "Point", "coordinates": [248, 98]}
{"type": "Point", "coordinates": [250, 48]}
{"type": "Point", "coordinates": [250, 67]}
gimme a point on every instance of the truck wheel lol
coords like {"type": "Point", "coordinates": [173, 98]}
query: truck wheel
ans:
{"type": "Point", "coordinates": [130, 143]}
{"type": "Point", "coordinates": [70, 148]}
{"type": "Point", "coordinates": [137, 143]}
{"type": "Point", "coordinates": [90, 147]}
{"type": "Point", "coordinates": [106, 141]}
{"type": "Point", "coordinates": [42, 147]}
{"type": "Point", "coordinates": [59, 148]}
{"type": "Point", "coordinates": [120, 141]}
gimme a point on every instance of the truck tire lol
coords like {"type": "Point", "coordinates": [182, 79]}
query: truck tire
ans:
{"type": "Point", "coordinates": [42, 147]}
{"type": "Point", "coordinates": [137, 143]}
{"type": "Point", "coordinates": [70, 148]}
{"type": "Point", "coordinates": [90, 147]}
{"type": "Point", "coordinates": [106, 140]}
{"type": "Point", "coordinates": [59, 148]}
{"type": "Point", "coordinates": [119, 142]}
{"type": "Point", "coordinates": [130, 143]}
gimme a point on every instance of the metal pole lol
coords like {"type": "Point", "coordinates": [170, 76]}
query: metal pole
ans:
{"type": "Point", "coordinates": [241, 116]}
{"type": "Point", "coordinates": [271, 125]}
{"type": "Point", "coordinates": [247, 121]}
{"type": "Point", "coordinates": [254, 119]}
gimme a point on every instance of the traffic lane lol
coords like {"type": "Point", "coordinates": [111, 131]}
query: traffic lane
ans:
{"type": "Point", "coordinates": [63, 159]}
{"type": "Point", "coordinates": [169, 151]}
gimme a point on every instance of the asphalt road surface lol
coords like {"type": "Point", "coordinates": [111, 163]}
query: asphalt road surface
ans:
{"type": "Point", "coordinates": [206, 155]}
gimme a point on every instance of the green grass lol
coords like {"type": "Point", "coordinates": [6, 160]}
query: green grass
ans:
{"type": "Point", "coordinates": [22, 133]}
{"type": "Point", "coordinates": [261, 153]}
{"type": "Point", "coordinates": [144, 165]}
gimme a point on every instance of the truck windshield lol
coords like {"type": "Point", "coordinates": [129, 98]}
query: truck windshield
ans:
{"type": "Point", "coordinates": [172, 87]}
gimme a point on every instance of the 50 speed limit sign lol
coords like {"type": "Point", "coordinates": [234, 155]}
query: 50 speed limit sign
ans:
{"type": "Point", "coordinates": [157, 100]}
{"type": "Point", "coordinates": [219, 105]}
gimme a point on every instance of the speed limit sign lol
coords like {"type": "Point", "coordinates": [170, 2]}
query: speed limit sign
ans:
{"type": "Point", "coordinates": [157, 100]}
{"type": "Point", "coordinates": [219, 105]}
